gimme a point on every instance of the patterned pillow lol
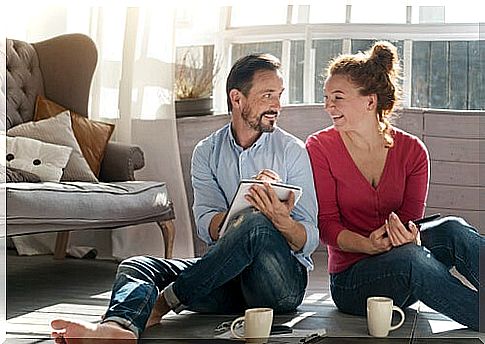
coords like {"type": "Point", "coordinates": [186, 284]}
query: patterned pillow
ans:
{"type": "Point", "coordinates": [43, 159]}
{"type": "Point", "coordinates": [92, 136]}
{"type": "Point", "coordinates": [58, 130]}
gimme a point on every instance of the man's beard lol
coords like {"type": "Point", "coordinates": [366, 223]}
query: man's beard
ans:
{"type": "Point", "coordinates": [257, 123]}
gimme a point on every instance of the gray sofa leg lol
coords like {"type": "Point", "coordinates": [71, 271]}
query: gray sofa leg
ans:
{"type": "Point", "coordinates": [168, 232]}
{"type": "Point", "coordinates": [61, 245]}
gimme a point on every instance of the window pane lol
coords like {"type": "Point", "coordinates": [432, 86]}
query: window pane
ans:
{"type": "Point", "coordinates": [453, 12]}
{"type": "Point", "coordinates": [240, 50]}
{"type": "Point", "coordinates": [297, 60]}
{"type": "Point", "coordinates": [447, 75]}
{"type": "Point", "coordinates": [200, 19]}
{"type": "Point", "coordinates": [377, 11]}
{"type": "Point", "coordinates": [328, 12]}
{"type": "Point", "coordinates": [365, 44]}
{"type": "Point", "coordinates": [264, 14]}
{"type": "Point", "coordinates": [325, 50]}
{"type": "Point", "coordinates": [195, 69]}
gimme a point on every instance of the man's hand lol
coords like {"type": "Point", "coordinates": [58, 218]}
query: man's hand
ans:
{"type": "Point", "coordinates": [264, 199]}
{"type": "Point", "coordinates": [397, 232]}
{"type": "Point", "coordinates": [268, 175]}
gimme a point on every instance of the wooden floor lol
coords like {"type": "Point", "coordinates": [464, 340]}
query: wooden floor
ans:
{"type": "Point", "coordinates": [40, 288]}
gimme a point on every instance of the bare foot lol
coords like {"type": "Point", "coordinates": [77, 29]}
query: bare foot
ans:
{"type": "Point", "coordinates": [81, 332]}
{"type": "Point", "coordinates": [159, 310]}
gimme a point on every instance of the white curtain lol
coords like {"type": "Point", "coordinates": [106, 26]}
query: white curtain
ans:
{"type": "Point", "coordinates": [132, 88]}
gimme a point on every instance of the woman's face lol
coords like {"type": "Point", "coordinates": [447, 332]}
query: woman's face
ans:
{"type": "Point", "coordinates": [348, 109]}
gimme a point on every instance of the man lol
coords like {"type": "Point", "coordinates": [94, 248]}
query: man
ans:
{"type": "Point", "coordinates": [263, 258]}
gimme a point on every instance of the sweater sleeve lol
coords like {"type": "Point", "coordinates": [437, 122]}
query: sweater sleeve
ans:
{"type": "Point", "coordinates": [417, 181]}
{"type": "Point", "coordinates": [329, 223]}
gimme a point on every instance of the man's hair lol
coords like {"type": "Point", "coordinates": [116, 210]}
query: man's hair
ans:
{"type": "Point", "coordinates": [241, 75]}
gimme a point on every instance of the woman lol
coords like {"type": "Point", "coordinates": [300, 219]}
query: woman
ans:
{"type": "Point", "coordinates": [372, 178]}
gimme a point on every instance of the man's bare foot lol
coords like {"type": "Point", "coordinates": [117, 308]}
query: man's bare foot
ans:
{"type": "Point", "coordinates": [159, 310]}
{"type": "Point", "coordinates": [81, 332]}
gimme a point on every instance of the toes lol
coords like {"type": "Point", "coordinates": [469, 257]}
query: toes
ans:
{"type": "Point", "coordinates": [59, 324]}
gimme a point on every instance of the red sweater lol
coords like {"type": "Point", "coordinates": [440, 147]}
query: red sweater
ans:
{"type": "Point", "coordinates": [346, 200]}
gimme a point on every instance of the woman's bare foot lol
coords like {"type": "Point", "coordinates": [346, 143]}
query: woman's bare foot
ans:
{"type": "Point", "coordinates": [159, 310]}
{"type": "Point", "coordinates": [80, 332]}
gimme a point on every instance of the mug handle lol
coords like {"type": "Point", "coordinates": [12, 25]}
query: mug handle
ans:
{"type": "Point", "coordinates": [233, 325]}
{"type": "Point", "coordinates": [399, 310]}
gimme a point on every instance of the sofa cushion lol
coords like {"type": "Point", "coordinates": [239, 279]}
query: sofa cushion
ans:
{"type": "Point", "coordinates": [50, 207]}
{"type": "Point", "coordinates": [58, 130]}
{"type": "Point", "coordinates": [92, 136]}
{"type": "Point", "coordinates": [46, 160]}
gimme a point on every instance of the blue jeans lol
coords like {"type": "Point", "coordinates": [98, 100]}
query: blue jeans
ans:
{"type": "Point", "coordinates": [410, 273]}
{"type": "Point", "coordinates": [251, 266]}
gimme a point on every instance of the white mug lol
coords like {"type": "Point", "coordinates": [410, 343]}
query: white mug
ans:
{"type": "Point", "coordinates": [379, 316]}
{"type": "Point", "coordinates": [257, 325]}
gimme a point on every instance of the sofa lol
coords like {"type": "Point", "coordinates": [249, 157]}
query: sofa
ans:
{"type": "Point", "coordinates": [97, 189]}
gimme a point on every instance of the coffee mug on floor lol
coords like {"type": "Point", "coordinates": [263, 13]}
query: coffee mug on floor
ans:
{"type": "Point", "coordinates": [379, 316]}
{"type": "Point", "coordinates": [257, 325]}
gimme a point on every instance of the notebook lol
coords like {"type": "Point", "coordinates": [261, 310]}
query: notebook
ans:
{"type": "Point", "coordinates": [239, 203]}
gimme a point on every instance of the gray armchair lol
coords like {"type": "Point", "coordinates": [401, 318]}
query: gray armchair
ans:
{"type": "Point", "coordinates": [61, 70]}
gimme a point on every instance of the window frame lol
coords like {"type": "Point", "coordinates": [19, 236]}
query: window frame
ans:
{"type": "Point", "coordinates": [285, 33]}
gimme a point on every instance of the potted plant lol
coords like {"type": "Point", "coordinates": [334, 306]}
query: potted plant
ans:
{"type": "Point", "coordinates": [194, 81]}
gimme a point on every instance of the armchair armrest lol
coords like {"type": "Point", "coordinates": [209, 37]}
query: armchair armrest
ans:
{"type": "Point", "coordinates": [120, 162]}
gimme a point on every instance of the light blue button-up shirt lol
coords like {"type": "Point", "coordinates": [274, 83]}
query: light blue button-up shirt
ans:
{"type": "Point", "coordinates": [219, 163]}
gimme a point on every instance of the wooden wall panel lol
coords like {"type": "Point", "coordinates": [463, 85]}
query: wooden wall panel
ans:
{"type": "Point", "coordinates": [455, 173]}
{"type": "Point", "coordinates": [453, 149]}
{"type": "Point", "coordinates": [410, 120]}
{"type": "Point", "coordinates": [457, 125]}
{"type": "Point", "coordinates": [303, 120]}
{"type": "Point", "coordinates": [454, 197]}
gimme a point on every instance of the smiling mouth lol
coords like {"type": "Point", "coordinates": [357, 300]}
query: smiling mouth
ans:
{"type": "Point", "coordinates": [270, 116]}
{"type": "Point", "coordinates": [334, 118]}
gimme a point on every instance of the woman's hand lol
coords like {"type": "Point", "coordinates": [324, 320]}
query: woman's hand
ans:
{"type": "Point", "coordinates": [379, 241]}
{"type": "Point", "coordinates": [397, 232]}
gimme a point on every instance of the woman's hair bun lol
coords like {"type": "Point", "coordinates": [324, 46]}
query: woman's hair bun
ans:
{"type": "Point", "coordinates": [384, 54]}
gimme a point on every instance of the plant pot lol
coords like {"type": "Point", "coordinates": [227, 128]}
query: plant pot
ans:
{"type": "Point", "coordinates": [193, 107]}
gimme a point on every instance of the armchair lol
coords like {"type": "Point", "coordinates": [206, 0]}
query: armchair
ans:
{"type": "Point", "coordinates": [61, 69]}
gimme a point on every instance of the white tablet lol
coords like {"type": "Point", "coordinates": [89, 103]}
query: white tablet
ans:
{"type": "Point", "coordinates": [240, 203]}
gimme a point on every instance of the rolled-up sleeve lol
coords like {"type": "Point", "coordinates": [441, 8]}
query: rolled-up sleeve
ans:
{"type": "Point", "coordinates": [305, 211]}
{"type": "Point", "coordinates": [208, 197]}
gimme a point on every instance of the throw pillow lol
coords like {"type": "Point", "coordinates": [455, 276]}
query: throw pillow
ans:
{"type": "Point", "coordinates": [15, 175]}
{"type": "Point", "coordinates": [92, 136]}
{"type": "Point", "coordinates": [58, 130]}
{"type": "Point", "coordinates": [43, 159]}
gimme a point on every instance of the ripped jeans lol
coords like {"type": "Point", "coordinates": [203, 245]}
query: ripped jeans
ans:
{"type": "Point", "coordinates": [251, 266]}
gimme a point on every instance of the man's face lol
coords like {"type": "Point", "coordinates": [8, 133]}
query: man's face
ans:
{"type": "Point", "coordinates": [261, 107]}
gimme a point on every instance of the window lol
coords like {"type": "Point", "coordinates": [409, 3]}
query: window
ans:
{"type": "Point", "coordinates": [297, 61]}
{"type": "Point", "coordinates": [446, 75]}
{"type": "Point", "coordinates": [264, 13]}
{"type": "Point", "coordinates": [438, 46]}
{"type": "Point", "coordinates": [325, 51]}
{"type": "Point", "coordinates": [240, 50]}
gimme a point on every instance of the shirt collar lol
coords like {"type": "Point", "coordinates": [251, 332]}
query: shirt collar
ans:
{"type": "Point", "coordinates": [262, 140]}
